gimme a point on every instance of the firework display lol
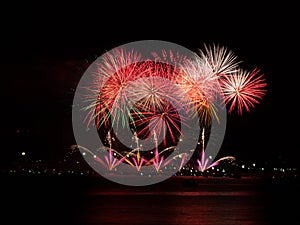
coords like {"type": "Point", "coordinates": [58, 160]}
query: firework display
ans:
{"type": "Point", "coordinates": [154, 97]}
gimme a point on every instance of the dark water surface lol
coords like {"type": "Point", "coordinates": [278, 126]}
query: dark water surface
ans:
{"type": "Point", "coordinates": [93, 200]}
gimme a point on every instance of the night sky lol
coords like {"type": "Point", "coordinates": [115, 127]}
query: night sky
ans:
{"type": "Point", "coordinates": [45, 50]}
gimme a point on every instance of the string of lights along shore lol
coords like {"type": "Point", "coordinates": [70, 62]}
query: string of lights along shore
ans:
{"type": "Point", "coordinates": [154, 107]}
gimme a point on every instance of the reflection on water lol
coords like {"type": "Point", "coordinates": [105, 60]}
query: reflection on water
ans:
{"type": "Point", "coordinates": [176, 193]}
{"type": "Point", "coordinates": [209, 202]}
{"type": "Point", "coordinates": [91, 201]}
{"type": "Point", "coordinates": [174, 209]}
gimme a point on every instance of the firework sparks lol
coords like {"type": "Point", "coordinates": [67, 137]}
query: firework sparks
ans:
{"type": "Point", "coordinates": [106, 98]}
{"type": "Point", "coordinates": [243, 89]}
{"type": "Point", "coordinates": [164, 122]}
{"type": "Point", "coordinates": [219, 59]}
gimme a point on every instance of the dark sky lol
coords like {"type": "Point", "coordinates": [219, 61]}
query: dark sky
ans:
{"type": "Point", "coordinates": [46, 48]}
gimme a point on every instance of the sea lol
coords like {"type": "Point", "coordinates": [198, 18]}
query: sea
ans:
{"type": "Point", "coordinates": [93, 200]}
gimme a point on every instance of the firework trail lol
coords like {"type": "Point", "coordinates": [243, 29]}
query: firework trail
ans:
{"type": "Point", "coordinates": [203, 162]}
{"type": "Point", "coordinates": [158, 161]}
{"type": "Point", "coordinates": [110, 158]}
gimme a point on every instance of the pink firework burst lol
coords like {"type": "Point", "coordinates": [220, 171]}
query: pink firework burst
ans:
{"type": "Point", "coordinates": [243, 89]}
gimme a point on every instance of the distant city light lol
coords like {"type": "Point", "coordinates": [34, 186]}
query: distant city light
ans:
{"type": "Point", "coordinates": [23, 153]}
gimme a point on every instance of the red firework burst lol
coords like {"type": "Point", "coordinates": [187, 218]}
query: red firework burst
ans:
{"type": "Point", "coordinates": [243, 89]}
{"type": "Point", "coordinates": [163, 121]}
